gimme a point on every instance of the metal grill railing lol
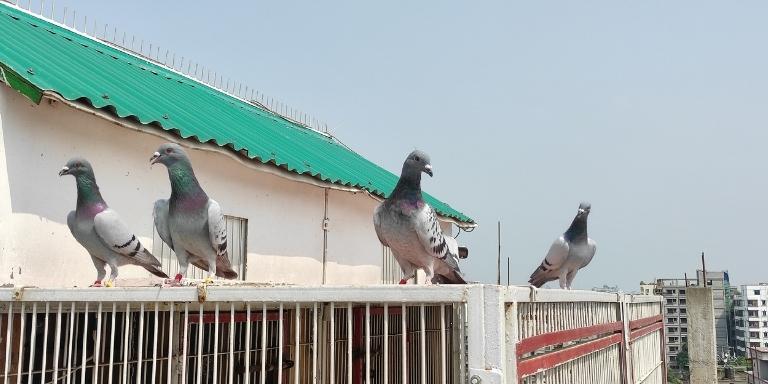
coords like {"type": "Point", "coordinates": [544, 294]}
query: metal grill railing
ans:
{"type": "Point", "coordinates": [351, 335]}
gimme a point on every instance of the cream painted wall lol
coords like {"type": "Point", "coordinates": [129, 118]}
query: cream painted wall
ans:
{"type": "Point", "coordinates": [285, 217]}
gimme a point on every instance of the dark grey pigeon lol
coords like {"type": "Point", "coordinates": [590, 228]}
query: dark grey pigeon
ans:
{"type": "Point", "coordinates": [100, 230]}
{"type": "Point", "coordinates": [190, 222]}
{"type": "Point", "coordinates": [406, 224]}
{"type": "Point", "coordinates": [569, 253]}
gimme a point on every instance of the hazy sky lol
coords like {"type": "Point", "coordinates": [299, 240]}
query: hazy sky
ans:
{"type": "Point", "coordinates": [654, 111]}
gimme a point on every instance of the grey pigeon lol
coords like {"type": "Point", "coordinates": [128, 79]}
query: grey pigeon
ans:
{"type": "Point", "coordinates": [406, 224]}
{"type": "Point", "coordinates": [190, 222]}
{"type": "Point", "coordinates": [100, 230]}
{"type": "Point", "coordinates": [568, 253]}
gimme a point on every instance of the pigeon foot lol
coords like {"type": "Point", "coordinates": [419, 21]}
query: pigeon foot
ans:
{"type": "Point", "coordinates": [109, 284]}
{"type": "Point", "coordinates": [97, 283]}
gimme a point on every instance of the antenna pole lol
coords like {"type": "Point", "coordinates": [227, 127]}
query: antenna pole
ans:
{"type": "Point", "coordinates": [498, 259]}
{"type": "Point", "coordinates": [703, 270]}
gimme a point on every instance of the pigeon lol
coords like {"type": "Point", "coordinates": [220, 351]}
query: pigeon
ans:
{"type": "Point", "coordinates": [100, 230]}
{"type": "Point", "coordinates": [190, 222]}
{"type": "Point", "coordinates": [568, 253]}
{"type": "Point", "coordinates": [406, 224]}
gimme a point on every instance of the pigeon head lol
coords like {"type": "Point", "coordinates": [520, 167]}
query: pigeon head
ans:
{"type": "Point", "coordinates": [76, 167]}
{"type": "Point", "coordinates": [584, 209]}
{"type": "Point", "coordinates": [169, 154]}
{"type": "Point", "coordinates": [417, 162]}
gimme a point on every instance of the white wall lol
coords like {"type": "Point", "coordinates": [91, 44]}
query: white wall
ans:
{"type": "Point", "coordinates": [285, 217]}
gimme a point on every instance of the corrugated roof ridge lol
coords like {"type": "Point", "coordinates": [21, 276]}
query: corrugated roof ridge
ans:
{"type": "Point", "coordinates": [153, 65]}
{"type": "Point", "coordinates": [267, 103]}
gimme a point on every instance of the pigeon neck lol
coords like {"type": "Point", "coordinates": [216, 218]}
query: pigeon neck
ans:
{"type": "Point", "coordinates": [578, 229]}
{"type": "Point", "coordinates": [183, 181]}
{"type": "Point", "coordinates": [88, 191]}
{"type": "Point", "coordinates": [409, 186]}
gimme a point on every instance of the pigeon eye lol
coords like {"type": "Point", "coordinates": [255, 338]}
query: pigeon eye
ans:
{"type": "Point", "coordinates": [78, 165]}
{"type": "Point", "coordinates": [417, 158]}
{"type": "Point", "coordinates": [168, 150]}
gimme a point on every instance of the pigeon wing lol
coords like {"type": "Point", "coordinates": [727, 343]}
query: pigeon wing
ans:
{"type": "Point", "coordinates": [217, 229]}
{"type": "Point", "coordinates": [547, 271]}
{"type": "Point", "coordinates": [377, 223]}
{"type": "Point", "coordinates": [116, 236]}
{"type": "Point", "coordinates": [160, 214]}
{"type": "Point", "coordinates": [432, 238]}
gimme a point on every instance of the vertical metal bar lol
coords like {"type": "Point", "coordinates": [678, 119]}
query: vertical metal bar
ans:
{"type": "Point", "coordinates": [154, 342]}
{"type": "Point", "coordinates": [349, 343]}
{"type": "Point", "coordinates": [231, 367]}
{"type": "Point", "coordinates": [333, 342]}
{"type": "Point", "coordinates": [404, 352]}
{"type": "Point", "coordinates": [33, 334]}
{"type": "Point", "coordinates": [216, 343]}
{"type": "Point", "coordinates": [185, 344]}
{"type": "Point", "coordinates": [199, 369]}
{"type": "Point", "coordinates": [71, 336]}
{"type": "Point", "coordinates": [85, 344]}
{"type": "Point", "coordinates": [314, 343]}
{"type": "Point", "coordinates": [21, 343]}
{"type": "Point", "coordinates": [45, 338]}
{"type": "Point", "coordinates": [423, 333]}
{"type": "Point", "coordinates": [56, 348]}
{"type": "Point", "coordinates": [367, 342]}
{"type": "Point", "coordinates": [171, 308]}
{"type": "Point", "coordinates": [248, 343]}
{"type": "Point", "coordinates": [444, 360]}
{"type": "Point", "coordinates": [263, 372]}
{"type": "Point", "coordinates": [140, 358]}
{"type": "Point", "coordinates": [386, 342]}
{"type": "Point", "coordinates": [297, 329]}
{"type": "Point", "coordinates": [112, 344]}
{"type": "Point", "coordinates": [97, 346]}
{"type": "Point", "coordinates": [9, 338]}
{"type": "Point", "coordinates": [279, 365]}
{"type": "Point", "coordinates": [126, 333]}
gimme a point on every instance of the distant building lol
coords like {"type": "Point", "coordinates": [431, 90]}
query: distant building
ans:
{"type": "Point", "coordinates": [759, 372]}
{"type": "Point", "coordinates": [751, 318]}
{"type": "Point", "coordinates": [676, 311]}
{"type": "Point", "coordinates": [721, 297]}
{"type": "Point", "coordinates": [606, 289]}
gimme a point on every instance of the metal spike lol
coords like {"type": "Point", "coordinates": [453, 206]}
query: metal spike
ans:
{"type": "Point", "coordinates": [53, 9]}
{"type": "Point", "coordinates": [74, 19]}
{"type": "Point", "coordinates": [85, 24]}
{"type": "Point", "coordinates": [114, 36]}
{"type": "Point", "coordinates": [42, 5]}
{"type": "Point", "coordinates": [105, 32]}
{"type": "Point", "coordinates": [64, 17]}
{"type": "Point", "coordinates": [93, 32]}
{"type": "Point", "coordinates": [166, 55]}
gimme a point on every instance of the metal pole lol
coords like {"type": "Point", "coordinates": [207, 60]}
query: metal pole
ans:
{"type": "Point", "coordinates": [703, 271]}
{"type": "Point", "coordinates": [498, 258]}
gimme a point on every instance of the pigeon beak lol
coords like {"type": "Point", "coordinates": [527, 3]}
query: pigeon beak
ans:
{"type": "Point", "coordinates": [155, 157]}
{"type": "Point", "coordinates": [428, 169]}
{"type": "Point", "coordinates": [582, 211]}
{"type": "Point", "coordinates": [64, 171]}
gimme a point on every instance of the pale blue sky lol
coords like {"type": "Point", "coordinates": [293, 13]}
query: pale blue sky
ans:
{"type": "Point", "coordinates": [654, 111]}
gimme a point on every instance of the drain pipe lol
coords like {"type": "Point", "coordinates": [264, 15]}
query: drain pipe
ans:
{"type": "Point", "coordinates": [325, 234]}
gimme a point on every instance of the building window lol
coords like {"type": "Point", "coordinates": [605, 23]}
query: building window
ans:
{"type": "Point", "coordinates": [237, 238]}
{"type": "Point", "coordinates": [683, 321]}
{"type": "Point", "coordinates": [683, 310]}
{"type": "Point", "coordinates": [756, 292]}
{"type": "Point", "coordinates": [671, 311]}
{"type": "Point", "coordinates": [682, 302]}
{"type": "Point", "coordinates": [673, 340]}
{"type": "Point", "coordinates": [682, 291]}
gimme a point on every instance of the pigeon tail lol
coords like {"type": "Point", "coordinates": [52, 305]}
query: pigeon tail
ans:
{"type": "Point", "coordinates": [224, 267]}
{"type": "Point", "coordinates": [155, 271]}
{"type": "Point", "coordinates": [453, 278]}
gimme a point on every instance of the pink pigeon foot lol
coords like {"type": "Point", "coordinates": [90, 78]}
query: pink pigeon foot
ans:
{"type": "Point", "coordinates": [403, 281]}
{"type": "Point", "coordinates": [96, 283]}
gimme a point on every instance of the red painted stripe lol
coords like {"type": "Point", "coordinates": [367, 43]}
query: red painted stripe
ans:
{"type": "Point", "coordinates": [634, 335]}
{"type": "Point", "coordinates": [539, 363]}
{"type": "Point", "coordinates": [533, 343]}
{"type": "Point", "coordinates": [645, 322]}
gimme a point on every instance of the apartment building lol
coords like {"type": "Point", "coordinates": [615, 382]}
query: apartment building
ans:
{"type": "Point", "coordinates": [676, 309]}
{"type": "Point", "coordinates": [751, 317]}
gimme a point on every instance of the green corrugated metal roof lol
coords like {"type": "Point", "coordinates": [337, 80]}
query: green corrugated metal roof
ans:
{"type": "Point", "coordinates": [38, 56]}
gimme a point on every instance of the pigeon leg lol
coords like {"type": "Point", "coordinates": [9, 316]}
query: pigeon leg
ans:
{"type": "Point", "coordinates": [570, 277]}
{"type": "Point", "coordinates": [563, 281]}
{"type": "Point", "coordinates": [112, 276]}
{"type": "Point", "coordinates": [183, 258]}
{"type": "Point", "coordinates": [211, 273]}
{"type": "Point", "coordinates": [101, 271]}
{"type": "Point", "coordinates": [429, 271]}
